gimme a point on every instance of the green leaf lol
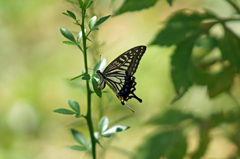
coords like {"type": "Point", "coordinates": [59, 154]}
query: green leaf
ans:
{"type": "Point", "coordinates": [169, 2]}
{"type": "Point", "coordinates": [99, 143]}
{"type": "Point", "coordinates": [80, 3]}
{"type": "Point", "coordinates": [207, 42]}
{"type": "Point", "coordinates": [135, 5]}
{"type": "Point", "coordinates": [95, 87]}
{"type": "Point", "coordinates": [201, 54]}
{"type": "Point", "coordinates": [179, 26]}
{"type": "Point", "coordinates": [89, 146]}
{"type": "Point", "coordinates": [99, 66]}
{"type": "Point", "coordinates": [79, 37]}
{"type": "Point", "coordinates": [101, 20]}
{"type": "Point", "coordinates": [182, 71]}
{"type": "Point", "coordinates": [77, 76]}
{"type": "Point", "coordinates": [95, 29]}
{"type": "Point", "coordinates": [86, 77]}
{"type": "Point", "coordinates": [204, 142]}
{"type": "Point", "coordinates": [115, 129]}
{"type": "Point", "coordinates": [92, 22]}
{"type": "Point", "coordinates": [230, 48]}
{"type": "Point", "coordinates": [71, 14]}
{"type": "Point", "coordinates": [64, 111]}
{"type": "Point", "coordinates": [96, 135]}
{"type": "Point", "coordinates": [78, 115]}
{"type": "Point", "coordinates": [74, 105]}
{"type": "Point", "coordinates": [220, 82]}
{"type": "Point", "coordinates": [68, 43]}
{"type": "Point", "coordinates": [103, 124]}
{"type": "Point", "coordinates": [219, 118]}
{"type": "Point", "coordinates": [179, 142]}
{"type": "Point", "coordinates": [86, 2]}
{"type": "Point", "coordinates": [89, 4]}
{"type": "Point", "coordinates": [79, 138]}
{"type": "Point", "coordinates": [67, 34]}
{"type": "Point", "coordinates": [78, 148]}
{"type": "Point", "coordinates": [65, 14]}
{"type": "Point", "coordinates": [170, 117]}
{"type": "Point", "coordinates": [167, 144]}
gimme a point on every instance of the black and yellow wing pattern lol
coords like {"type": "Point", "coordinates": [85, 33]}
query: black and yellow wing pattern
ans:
{"type": "Point", "coordinates": [118, 75]}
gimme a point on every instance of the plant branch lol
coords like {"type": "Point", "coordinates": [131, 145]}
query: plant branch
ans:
{"type": "Point", "coordinates": [234, 6]}
{"type": "Point", "coordinates": [89, 112]}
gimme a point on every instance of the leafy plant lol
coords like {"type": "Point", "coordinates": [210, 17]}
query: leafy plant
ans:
{"type": "Point", "coordinates": [194, 58]}
{"type": "Point", "coordinates": [199, 58]}
{"type": "Point", "coordinates": [81, 42]}
{"type": "Point", "coordinates": [175, 125]}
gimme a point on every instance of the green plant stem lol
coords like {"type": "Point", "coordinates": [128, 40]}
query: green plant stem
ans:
{"type": "Point", "coordinates": [234, 5]}
{"type": "Point", "coordinates": [89, 112]}
{"type": "Point", "coordinates": [222, 21]}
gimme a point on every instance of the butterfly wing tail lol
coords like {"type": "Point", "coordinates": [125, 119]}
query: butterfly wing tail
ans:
{"type": "Point", "coordinates": [134, 96]}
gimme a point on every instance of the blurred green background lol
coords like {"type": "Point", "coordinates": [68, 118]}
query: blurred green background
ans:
{"type": "Point", "coordinates": [35, 66]}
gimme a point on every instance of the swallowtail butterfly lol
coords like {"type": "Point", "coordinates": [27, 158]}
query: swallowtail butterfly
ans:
{"type": "Point", "coordinates": [118, 75]}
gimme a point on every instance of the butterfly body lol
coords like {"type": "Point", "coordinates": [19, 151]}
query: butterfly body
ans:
{"type": "Point", "coordinates": [118, 75]}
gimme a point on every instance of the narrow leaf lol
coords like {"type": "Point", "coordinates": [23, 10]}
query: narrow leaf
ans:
{"type": "Point", "coordinates": [66, 14]}
{"type": "Point", "coordinates": [71, 14]}
{"type": "Point", "coordinates": [115, 129]}
{"type": "Point", "coordinates": [78, 115]}
{"type": "Point", "coordinates": [86, 2]}
{"type": "Point", "coordinates": [169, 2]}
{"type": "Point", "coordinates": [89, 4]}
{"type": "Point", "coordinates": [78, 148]}
{"type": "Point", "coordinates": [92, 22]}
{"type": "Point", "coordinates": [74, 105]}
{"type": "Point", "coordinates": [67, 34]}
{"type": "Point", "coordinates": [80, 3]}
{"type": "Point", "coordinates": [77, 77]}
{"type": "Point", "coordinates": [99, 66]}
{"type": "Point", "coordinates": [99, 143]}
{"type": "Point", "coordinates": [96, 135]}
{"type": "Point", "coordinates": [103, 124]}
{"type": "Point", "coordinates": [95, 87]}
{"type": "Point", "coordinates": [86, 77]}
{"type": "Point", "coordinates": [79, 37]}
{"type": "Point", "coordinates": [79, 138]}
{"type": "Point", "coordinates": [135, 5]}
{"type": "Point", "coordinates": [100, 21]}
{"type": "Point", "coordinates": [95, 29]}
{"type": "Point", "coordinates": [64, 111]}
{"type": "Point", "coordinates": [89, 146]}
{"type": "Point", "coordinates": [69, 43]}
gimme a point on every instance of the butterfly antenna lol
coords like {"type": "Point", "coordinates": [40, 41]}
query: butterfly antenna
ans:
{"type": "Point", "coordinates": [129, 107]}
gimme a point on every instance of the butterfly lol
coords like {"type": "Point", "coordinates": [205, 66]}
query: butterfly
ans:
{"type": "Point", "coordinates": [118, 75]}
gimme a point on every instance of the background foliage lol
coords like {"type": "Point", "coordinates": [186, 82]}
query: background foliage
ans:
{"type": "Point", "coordinates": [192, 61]}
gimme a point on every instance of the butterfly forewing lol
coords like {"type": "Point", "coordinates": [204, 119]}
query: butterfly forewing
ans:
{"type": "Point", "coordinates": [128, 61]}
